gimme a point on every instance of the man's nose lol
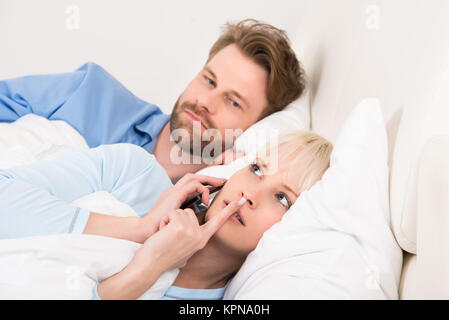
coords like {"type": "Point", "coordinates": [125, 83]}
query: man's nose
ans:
{"type": "Point", "coordinates": [207, 102]}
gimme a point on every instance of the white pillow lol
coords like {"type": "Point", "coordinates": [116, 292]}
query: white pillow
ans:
{"type": "Point", "coordinates": [335, 242]}
{"type": "Point", "coordinates": [296, 116]}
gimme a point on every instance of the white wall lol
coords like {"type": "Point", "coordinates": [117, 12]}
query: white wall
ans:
{"type": "Point", "coordinates": [153, 47]}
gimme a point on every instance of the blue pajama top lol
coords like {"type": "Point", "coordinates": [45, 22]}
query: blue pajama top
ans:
{"type": "Point", "coordinates": [91, 100]}
{"type": "Point", "coordinates": [36, 199]}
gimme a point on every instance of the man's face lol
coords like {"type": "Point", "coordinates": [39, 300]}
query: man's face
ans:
{"type": "Point", "coordinates": [228, 93]}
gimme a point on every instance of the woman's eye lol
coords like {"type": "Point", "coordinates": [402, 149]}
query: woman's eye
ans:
{"type": "Point", "coordinates": [256, 169]}
{"type": "Point", "coordinates": [283, 200]}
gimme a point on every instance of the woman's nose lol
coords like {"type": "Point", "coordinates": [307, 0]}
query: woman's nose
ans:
{"type": "Point", "coordinates": [250, 198]}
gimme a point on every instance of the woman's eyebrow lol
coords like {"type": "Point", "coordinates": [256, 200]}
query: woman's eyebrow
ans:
{"type": "Point", "coordinates": [263, 164]}
{"type": "Point", "coordinates": [290, 189]}
{"type": "Point", "coordinates": [260, 162]}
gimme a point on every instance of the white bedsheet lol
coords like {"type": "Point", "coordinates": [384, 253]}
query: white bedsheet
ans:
{"type": "Point", "coordinates": [61, 266]}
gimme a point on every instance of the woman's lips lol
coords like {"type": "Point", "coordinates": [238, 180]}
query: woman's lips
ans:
{"type": "Point", "coordinates": [195, 118]}
{"type": "Point", "coordinates": [235, 220]}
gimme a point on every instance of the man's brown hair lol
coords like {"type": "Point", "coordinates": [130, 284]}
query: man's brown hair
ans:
{"type": "Point", "coordinates": [269, 47]}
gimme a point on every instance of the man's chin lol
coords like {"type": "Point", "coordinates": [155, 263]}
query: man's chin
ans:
{"type": "Point", "coordinates": [192, 143]}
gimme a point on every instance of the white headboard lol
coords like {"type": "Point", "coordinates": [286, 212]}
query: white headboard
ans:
{"type": "Point", "coordinates": [396, 51]}
{"type": "Point", "coordinates": [154, 48]}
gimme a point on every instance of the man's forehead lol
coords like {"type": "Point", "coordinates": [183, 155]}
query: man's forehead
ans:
{"type": "Point", "coordinates": [230, 60]}
{"type": "Point", "coordinates": [237, 72]}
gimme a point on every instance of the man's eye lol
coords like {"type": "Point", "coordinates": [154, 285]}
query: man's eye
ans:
{"type": "Point", "coordinates": [283, 200]}
{"type": "Point", "coordinates": [209, 81]}
{"type": "Point", "coordinates": [234, 104]}
{"type": "Point", "coordinates": [255, 169]}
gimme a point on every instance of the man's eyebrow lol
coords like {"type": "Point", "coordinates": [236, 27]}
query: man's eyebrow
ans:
{"type": "Point", "coordinates": [211, 72]}
{"type": "Point", "coordinates": [238, 95]}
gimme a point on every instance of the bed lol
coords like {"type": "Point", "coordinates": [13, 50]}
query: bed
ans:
{"type": "Point", "coordinates": [353, 52]}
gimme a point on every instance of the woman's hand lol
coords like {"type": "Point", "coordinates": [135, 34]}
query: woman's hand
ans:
{"type": "Point", "coordinates": [139, 229]}
{"type": "Point", "coordinates": [186, 188]}
{"type": "Point", "coordinates": [179, 237]}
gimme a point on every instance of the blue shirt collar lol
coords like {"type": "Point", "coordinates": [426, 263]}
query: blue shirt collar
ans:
{"type": "Point", "coordinates": [152, 126]}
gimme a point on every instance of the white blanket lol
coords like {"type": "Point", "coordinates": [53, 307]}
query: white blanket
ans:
{"type": "Point", "coordinates": [61, 266]}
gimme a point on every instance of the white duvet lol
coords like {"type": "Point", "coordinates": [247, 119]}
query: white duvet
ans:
{"type": "Point", "coordinates": [334, 243]}
{"type": "Point", "coordinates": [60, 266]}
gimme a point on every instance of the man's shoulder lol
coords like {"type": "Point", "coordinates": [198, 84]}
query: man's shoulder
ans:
{"type": "Point", "coordinates": [96, 71]}
{"type": "Point", "coordinates": [92, 66]}
{"type": "Point", "coordinates": [100, 80]}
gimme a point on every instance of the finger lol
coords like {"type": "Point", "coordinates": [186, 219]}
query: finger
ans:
{"type": "Point", "coordinates": [162, 224]}
{"type": "Point", "coordinates": [192, 216]}
{"type": "Point", "coordinates": [184, 187]}
{"type": "Point", "coordinates": [203, 190]}
{"type": "Point", "coordinates": [173, 218]}
{"type": "Point", "coordinates": [184, 179]}
{"type": "Point", "coordinates": [192, 190]}
{"type": "Point", "coordinates": [201, 178]}
{"type": "Point", "coordinates": [189, 211]}
{"type": "Point", "coordinates": [173, 215]}
{"type": "Point", "coordinates": [164, 221]}
{"type": "Point", "coordinates": [205, 196]}
{"type": "Point", "coordinates": [210, 227]}
{"type": "Point", "coordinates": [213, 181]}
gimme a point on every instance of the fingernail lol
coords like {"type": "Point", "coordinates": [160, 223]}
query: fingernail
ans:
{"type": "Point", "coordinates": [241, 201]}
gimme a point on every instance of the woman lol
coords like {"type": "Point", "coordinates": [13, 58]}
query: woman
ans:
{"type": "Point", "coordinates": [209, 254]}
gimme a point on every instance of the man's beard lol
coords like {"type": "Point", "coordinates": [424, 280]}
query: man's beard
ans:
{"type": "Point", "coordinates": [194, 133]}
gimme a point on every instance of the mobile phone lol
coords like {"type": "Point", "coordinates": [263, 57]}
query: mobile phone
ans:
{"type": "Point", "coordinates": [197, 205]}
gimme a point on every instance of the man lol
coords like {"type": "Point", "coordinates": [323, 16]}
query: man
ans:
{"type": "Point", "coordinates": [250, 73]}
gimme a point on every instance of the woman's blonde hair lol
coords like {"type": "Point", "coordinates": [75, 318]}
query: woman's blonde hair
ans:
{"type": "Point", "coordinates": [305, 153]}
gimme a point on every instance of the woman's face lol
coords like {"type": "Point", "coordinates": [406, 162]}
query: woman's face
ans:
{"type": "Point", "coordinates": [268, 197]}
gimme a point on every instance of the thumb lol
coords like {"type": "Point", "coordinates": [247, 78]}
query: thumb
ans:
{"type": "Point", "coordinates": [210, 227]}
